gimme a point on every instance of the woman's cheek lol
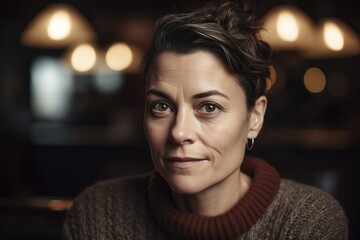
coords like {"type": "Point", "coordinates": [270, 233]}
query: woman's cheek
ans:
{"type": "Point", "coordinates": [156, 131]}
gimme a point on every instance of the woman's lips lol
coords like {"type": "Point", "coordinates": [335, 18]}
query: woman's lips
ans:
{"type": "Point", "coordinates": [183, 162]}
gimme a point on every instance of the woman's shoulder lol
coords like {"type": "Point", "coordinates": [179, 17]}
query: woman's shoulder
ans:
{"type": "Point", "coordinates": [300, 197]}
{"type": "Point", "coordinates": [112, 194]}
{"type": "Point", "coordinates": [108, 207]}
{"type": "Point", "coordinates": [301, 193]}
{"type": "Point", "coordinates": [301, 211]}
{"type": "Point", "coordinates": [112, 188]}
{"type": "Point", "coordinates": [312, 210]}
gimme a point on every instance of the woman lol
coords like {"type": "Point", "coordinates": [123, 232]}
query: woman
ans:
{"type": "Point", "coordinates": [205, 75]}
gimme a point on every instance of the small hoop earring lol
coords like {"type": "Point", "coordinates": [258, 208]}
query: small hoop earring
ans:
{"type": "Point", "coordinates": [251, 145]}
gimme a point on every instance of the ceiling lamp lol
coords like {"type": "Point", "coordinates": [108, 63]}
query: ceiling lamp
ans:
{"type": "Point", "coordinates": [57, 26]}
{"type": "Point", "coordinates": [334, 39]}
{"type": "Point", "coordinates": [288, 28]}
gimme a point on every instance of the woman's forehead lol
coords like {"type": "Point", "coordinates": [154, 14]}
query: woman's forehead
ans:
{"type": "Point", "coordinates": [196, 64]}
{"type": "Point", "coordinates": [193, 73]}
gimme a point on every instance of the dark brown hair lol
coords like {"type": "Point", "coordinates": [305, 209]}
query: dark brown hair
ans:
{"type": "Point", "coordinates": [225, 28]}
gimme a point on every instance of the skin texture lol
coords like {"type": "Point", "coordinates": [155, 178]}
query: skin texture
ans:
{"type": "Point", "coordinates": [197, 124]}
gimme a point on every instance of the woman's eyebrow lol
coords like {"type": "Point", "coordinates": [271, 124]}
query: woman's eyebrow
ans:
{"type": "Point", "coordinates": [196, 96]}
{"type": "Point", "coordinates": [157, 93]}
{"type": "Point", "coordinates": [209, 93]}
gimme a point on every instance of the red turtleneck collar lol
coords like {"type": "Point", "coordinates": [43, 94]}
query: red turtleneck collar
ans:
{"type": "Point", "coordinates": [233, 223]}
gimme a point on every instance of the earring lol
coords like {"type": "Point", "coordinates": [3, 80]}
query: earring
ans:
{"type": "Point", "coordinates": [250, 145]}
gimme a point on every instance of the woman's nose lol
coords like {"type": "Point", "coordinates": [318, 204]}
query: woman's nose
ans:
{"type": "Point", "coordinates": [183, 128]}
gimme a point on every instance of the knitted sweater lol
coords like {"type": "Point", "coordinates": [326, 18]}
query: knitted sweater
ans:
{"type": "Point", "coordinates": [141, 208]}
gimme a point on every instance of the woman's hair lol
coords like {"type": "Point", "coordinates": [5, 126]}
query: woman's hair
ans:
{"type": "Point", "coordinates": [225, 28]}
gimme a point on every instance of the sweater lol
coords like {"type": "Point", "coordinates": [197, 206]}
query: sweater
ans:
{"type": "Point", "coordinates": [141, 208]}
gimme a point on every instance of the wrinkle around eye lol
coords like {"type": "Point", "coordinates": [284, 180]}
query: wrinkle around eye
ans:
{"type": "Point", "coordinates": [156, 108]}
{"type": "Point", "coordinates": [217, 109]}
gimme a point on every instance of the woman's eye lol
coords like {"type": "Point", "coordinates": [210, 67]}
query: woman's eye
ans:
{"type": "Point", "coordinates": [210, 108]}
{"type": "Point", "coordinates": [160, 107]}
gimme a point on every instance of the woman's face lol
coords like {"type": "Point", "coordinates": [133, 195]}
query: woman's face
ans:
{"type": "Point", "coordinates": [196, 121]}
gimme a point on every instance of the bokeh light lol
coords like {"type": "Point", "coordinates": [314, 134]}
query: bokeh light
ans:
{"type": "Point", "coordinates": [287, 27]}
{"type": "Point", "coordinates": [119, 57]}
{"type": "Point", "coordinates": [333, 37]}
{"type": "Point", "coordinates": [314, 80]}
{"type": "Point", "coordinates": [83, 57]}
{"type": "Point", "coordinates": [59, 26]}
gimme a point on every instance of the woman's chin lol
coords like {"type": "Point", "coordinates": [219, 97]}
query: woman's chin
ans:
{"type": "Point", "coordinates": [184, 185]}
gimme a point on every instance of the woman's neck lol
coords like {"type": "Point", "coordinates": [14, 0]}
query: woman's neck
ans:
{"type": "Point", "coordinates": [217, 199]}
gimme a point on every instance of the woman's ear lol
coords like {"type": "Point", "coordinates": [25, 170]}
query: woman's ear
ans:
{"type": "Point", "coordinates": [256, 119]}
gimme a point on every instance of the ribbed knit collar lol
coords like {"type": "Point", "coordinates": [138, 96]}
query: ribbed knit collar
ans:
{"type": "Point", "coordinates": [230, 225]}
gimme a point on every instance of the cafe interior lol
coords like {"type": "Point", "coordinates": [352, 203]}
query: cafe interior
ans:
{"type": "Point", "coordinates": [71, 101]}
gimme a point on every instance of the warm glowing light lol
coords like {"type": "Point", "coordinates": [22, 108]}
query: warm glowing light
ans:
{"type": "Point", "coordinates": [333, 37]}
{"type": "Point", "coordinates": [314, 80]}
{"type": "Point", "coordinates": [119, 56]}
{"type": "Point", "coordinates": [59, 205]}
{"type": "Point", "coordinates": [286, 27]}
{"type": "Point", "coordinates": [59, 26]}
{"type": "Point", "coordinates": [83, 58]}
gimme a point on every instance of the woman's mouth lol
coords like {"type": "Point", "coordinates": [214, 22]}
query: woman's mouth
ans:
{"type": "Point", "coordinates": [183, 162]}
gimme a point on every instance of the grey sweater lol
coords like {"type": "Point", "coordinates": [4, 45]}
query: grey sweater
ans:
{"type": "Point", "coordinates": [119, 209]}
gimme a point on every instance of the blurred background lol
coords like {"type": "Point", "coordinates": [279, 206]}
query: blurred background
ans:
{"type": "Point", "coordinates": [71, 101]}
